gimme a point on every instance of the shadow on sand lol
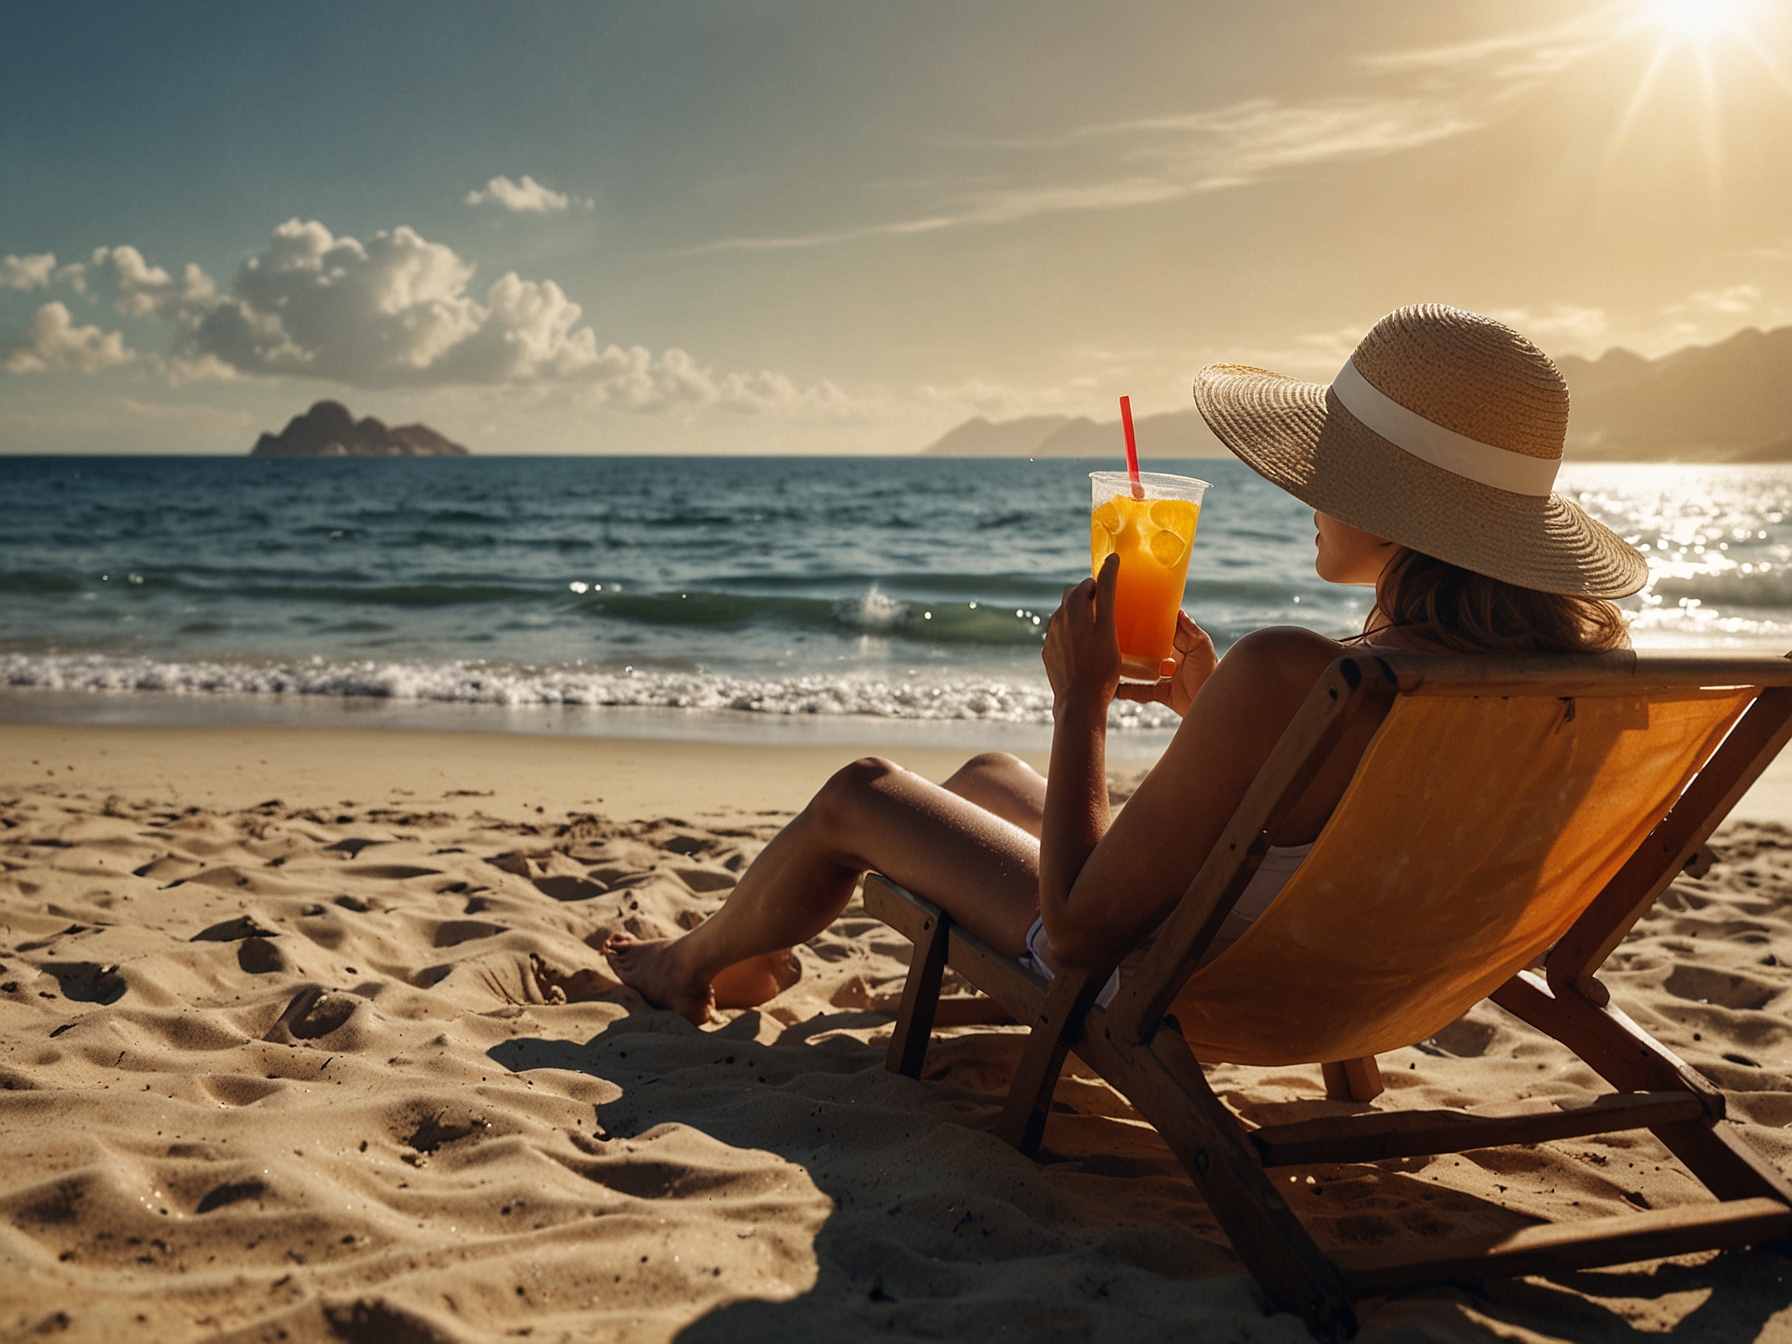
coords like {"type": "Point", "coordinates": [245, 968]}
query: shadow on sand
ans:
{"type": "Point", "coordinates": [940, 1231]}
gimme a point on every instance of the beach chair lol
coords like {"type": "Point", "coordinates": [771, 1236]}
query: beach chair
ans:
{"type": "Point", "coordinates": [1505, 809]}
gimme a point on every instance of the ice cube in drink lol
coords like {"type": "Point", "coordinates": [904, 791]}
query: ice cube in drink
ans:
{"type": "Point", "coordinates": [1153, 537]}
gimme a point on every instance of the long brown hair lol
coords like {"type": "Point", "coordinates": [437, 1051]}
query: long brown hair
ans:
{"type": "Point", "coordinates": [1455, 610]}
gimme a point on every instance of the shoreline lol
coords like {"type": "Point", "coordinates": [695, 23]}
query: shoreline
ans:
{"type": "Point", "coordinates": [152, 709]}
{"type": "Point", "coordinates": [626, 775]}
{"type": "Point", "coordinates": [516, 776]}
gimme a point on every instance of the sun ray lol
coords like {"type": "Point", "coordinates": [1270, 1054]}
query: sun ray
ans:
{"type": "Point", "coordinates": [1699, 28]}
{"type": "Point", "coordinates": [1766, 57]}
{"type": "Point", "coordinates": [1633, 109]}
{"type": "Point", "coordinates": [1711, 141]}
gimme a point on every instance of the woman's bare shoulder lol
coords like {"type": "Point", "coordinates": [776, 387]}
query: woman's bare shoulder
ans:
{"type": "Point", "coordinates": [1267, 674]}
{"type": "Point", "coordinates": [1283, 651]}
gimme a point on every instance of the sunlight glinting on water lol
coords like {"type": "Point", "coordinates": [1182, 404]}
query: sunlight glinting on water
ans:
{"type": "Point", "coordinates": [1719, 551]}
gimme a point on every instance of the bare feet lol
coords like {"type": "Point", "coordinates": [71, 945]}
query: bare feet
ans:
{"type": "Point", "coordinates": [651, 969]}
{"type": "Point", "coordinates": [749, 983]}
{"type": "Point", "coordinates": [648, 968]}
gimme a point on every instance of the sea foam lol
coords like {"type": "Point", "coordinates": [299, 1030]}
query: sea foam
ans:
{"type": "Point", "coordinates": [935, 696]}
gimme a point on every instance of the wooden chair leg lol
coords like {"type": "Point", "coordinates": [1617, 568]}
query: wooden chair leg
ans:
{"type": "Point", "coordinates": [1353, 1079]}
{"type": "Point", "coordinates": [1631, 1059]}
{"type": "Point", "coordinates": [1022, 1122]}
{"type": "Point", "coordinates": [1720, 1157]}
{"type": "Point", "coordinates": [1617, 1048]}
{"type": "Point", "coordinates": [920, 996]}
{"type": "Point", "coordinates": [1165, 1084]}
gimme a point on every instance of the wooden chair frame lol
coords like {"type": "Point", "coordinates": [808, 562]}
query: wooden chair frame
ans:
{"type": "Point", "coordinates": [1138, 1048]}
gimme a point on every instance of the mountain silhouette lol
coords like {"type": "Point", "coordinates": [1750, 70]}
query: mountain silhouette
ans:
{"type": "Point", "coordinates": [1728, 402]}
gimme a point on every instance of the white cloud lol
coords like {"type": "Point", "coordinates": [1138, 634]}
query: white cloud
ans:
{"type": "Point", "coordinates": [1169, 158]}
{"type": "Point", "coordinates": [140, 285]}
{"type": "Point", "coordinates": [1703, 317]}
{"type": "Point", "coordinates": [1421, 97]}
{"type": "Point", "coordinates": [637, 380]}
{"type": "Point", "coordinates": [1324, 352]}
{"type": "Point", "coordinates": [149, 291]}
{"type": "Point", "coordinates": [27, 272]}
{"type": "Point", "coordinates": [1521, 57]}
{"type": "Point", "coordinates": [768, 392]}
{"type": "Point", "coordinates": [1727, 301]}
{"type": "Point", "coordinates": [1577, 329]}
{"type": "Point", "coordinates": [1699, 318]}
{"type": "Point", "coordinates": [184, 369]}
{"type": "Point", "coordinates": [1558, 328]}
{"type": "Point", "coordinates": [527, 196]}
{"type": "Point", "coordinates": [1260, 138]}
{"type": "Point", "coordinates": [397, 311]}
{"type": "Point", "coordinates": [392, 311]}
{"type": "Point", "coordinates": [54, 344]}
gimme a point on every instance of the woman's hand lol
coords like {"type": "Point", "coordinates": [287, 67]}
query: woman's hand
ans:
{"type": "Point", "coordinates": [1193, 661]}
{"type": "Point", "coordinates": [1082, 654]}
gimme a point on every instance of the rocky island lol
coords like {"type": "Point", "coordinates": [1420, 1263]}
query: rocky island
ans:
{"type": "Point", "coordinates": [329, 430]}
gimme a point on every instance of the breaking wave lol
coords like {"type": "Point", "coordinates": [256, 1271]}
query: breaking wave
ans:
{"type": "Point", "coordinates": [942, 696]}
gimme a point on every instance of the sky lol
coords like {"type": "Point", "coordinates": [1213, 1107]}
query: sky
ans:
{"type": "Point", "coordinates": [769, 226]}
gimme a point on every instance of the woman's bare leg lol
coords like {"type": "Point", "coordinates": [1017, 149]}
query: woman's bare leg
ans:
{"type": "Point", "coordinates": [980, 869]}
{"type": "Point", "coordinates": [1005, 785]}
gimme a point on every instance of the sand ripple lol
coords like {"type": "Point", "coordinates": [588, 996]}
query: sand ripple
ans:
{"type": "Point", "coordinates": [357, 1074]}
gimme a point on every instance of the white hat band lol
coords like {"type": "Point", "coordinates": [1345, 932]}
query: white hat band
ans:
{"type": "Point", "coordinates": [1430, 442]}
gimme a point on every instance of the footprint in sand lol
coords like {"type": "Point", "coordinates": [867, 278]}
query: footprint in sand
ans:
{"type": "Point", "coordinates": [570, 888]}
{"type": "Point", "coordinates": [457, 931]}
{"type": "Point", "coordinates": [314, 1011]}
{"type": "Point", "coordinates": [168, 870]}
{"type": "Point", "coordinates": [1701, 984]}
{"type": "Point", "coordinates": [230, 930]}
{"type": "Point", "coordinates": [87, 981]}
{"type": "Point", "coordinates": [231, 1192]}
{"type": "Point", "coordinates": [258, 956]}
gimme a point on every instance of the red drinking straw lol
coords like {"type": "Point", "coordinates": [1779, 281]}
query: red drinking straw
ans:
{"type": "Point", "coordinates": [1132, 448]}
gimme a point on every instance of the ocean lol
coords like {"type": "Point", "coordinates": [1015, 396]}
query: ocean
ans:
{"type": "Point", "coordinates": [842, 599]}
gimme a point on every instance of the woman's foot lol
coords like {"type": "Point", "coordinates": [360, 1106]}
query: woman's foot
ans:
{"type": "Point", "coordinates": [651, 970]}
{"type": "Point", "coordinates": [749, 983]}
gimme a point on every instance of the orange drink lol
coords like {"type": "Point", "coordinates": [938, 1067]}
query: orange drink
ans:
{"type": "Point", "coordinates": [1153, 537]}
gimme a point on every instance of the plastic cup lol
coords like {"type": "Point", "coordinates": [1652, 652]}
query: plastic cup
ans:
{"type": "Point", "coordinates": [1153, 536]}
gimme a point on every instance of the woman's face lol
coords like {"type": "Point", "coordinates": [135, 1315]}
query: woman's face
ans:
{"type": "Point", "coordinates": [1348, 554]}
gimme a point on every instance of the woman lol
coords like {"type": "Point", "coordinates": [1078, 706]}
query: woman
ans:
{"type": "Point", "coordinates": [1429, 463]}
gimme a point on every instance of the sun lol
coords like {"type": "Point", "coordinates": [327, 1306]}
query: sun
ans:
{"type": "Point", "coordinates": [1706, 33]}
{"type": "Point", "coordinates": [1696, 19]}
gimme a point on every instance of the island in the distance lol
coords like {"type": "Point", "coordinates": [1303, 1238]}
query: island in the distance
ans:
{"type": "Point", "coordinates": [328, 430]}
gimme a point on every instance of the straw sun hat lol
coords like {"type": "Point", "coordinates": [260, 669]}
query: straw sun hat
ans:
{"type": "Point", "coordinates": [1443, 433]}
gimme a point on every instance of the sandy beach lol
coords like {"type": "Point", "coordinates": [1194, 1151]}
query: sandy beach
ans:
{"type": "Point", "coordinates": [302, 1037]}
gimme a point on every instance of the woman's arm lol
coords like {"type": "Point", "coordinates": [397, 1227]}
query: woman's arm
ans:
{"type": "Point", "coordinates": [1103, 890]}
{"type": "Point", "coordinates": [1082, 659]}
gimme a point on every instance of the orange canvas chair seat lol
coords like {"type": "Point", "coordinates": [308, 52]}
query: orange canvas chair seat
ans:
{"type": "Point", "coordinates": [1472, 836]}
{"type": "Point", "coordinates": [1505, 809]}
